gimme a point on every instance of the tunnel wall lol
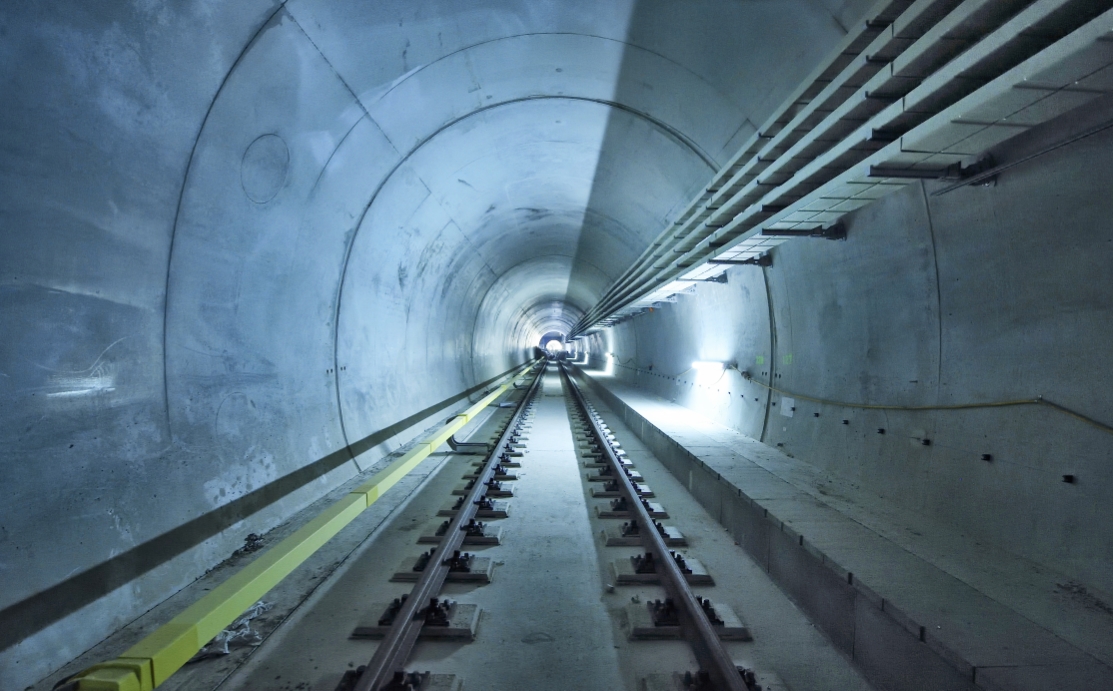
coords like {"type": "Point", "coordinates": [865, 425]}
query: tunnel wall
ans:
{"type": "Point", "coordinates": [243, 243]}
{"type": "Point", "coordinates": [984, 294]}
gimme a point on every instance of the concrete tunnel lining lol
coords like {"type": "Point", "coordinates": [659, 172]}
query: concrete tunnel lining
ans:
{"type": "Point", "coordinates": [205, 382]}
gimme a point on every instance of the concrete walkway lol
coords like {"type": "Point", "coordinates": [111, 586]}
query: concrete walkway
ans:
{"type": "Point", "coordinates": [918, 606]}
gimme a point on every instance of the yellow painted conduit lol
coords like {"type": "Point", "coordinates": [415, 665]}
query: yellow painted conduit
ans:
{"type": "Point", "coordinates": [152, 660]}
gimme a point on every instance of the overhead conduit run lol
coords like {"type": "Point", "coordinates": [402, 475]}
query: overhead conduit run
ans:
{"type": "Point", "coordinates": [918, 91]}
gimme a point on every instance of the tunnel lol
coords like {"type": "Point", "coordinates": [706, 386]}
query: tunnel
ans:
{"type": "Point", "coordinates": [840, 269]}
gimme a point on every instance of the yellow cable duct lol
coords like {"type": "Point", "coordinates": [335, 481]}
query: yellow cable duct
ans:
{"type": "Point", "coordinates": [152, 660]}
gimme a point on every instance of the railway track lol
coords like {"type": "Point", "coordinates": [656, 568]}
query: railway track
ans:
{"type": "Point", "coordinates": [624, 504]}
{"type": "Point", "coordinates": [682, 613]}
{"type": "Point", "coordinates": [423, 609]}
{"type": "Point", "coordinates": [557, 553]}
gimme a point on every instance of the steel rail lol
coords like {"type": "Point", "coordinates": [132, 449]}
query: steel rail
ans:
{"type": "Point", "coordinates": [694, 624]}
{"type": "Point", "coordinates": [392, 653]}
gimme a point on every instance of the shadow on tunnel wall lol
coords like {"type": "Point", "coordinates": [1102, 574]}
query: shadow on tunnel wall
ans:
{"type": "Point", "coordinates": [693, 81]}
{"type": "Point", "coordinates": [647, 167]}
{"type": "Point", "coordinates": [33, 614]}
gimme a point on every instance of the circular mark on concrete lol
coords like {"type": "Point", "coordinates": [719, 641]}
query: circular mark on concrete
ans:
{"type": "Point", "coordinates": [264, 166]}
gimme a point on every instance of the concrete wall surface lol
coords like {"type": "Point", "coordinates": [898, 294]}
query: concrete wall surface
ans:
{"type": "Point", "coordinates": [985, 294]}
{"type": "Point", "coordinates": [243, 243]}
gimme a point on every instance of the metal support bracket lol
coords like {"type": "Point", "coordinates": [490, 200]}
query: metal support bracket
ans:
{"type": "Point", "coordinates": [763, 260]}
{"type": "Point", "coordinates": [468, 448]}
{"type": "Point", "coordinates": [832, 232]}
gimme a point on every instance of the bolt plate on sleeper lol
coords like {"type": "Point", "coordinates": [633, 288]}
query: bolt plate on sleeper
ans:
{"type": "Point", "coordinates": [641, 488]}
{"type": "Point", "coordinates": [605, 511]}
{"type": "Point", "coordinates": [492, 535]}
{"type": "Point", "coordinates": [481, 568]}
{"type": "Point", "coordinates": [505, 464]}
{"type": "Point", "coordinates": [642, 627]}
{"type": "Point", "coordinates": [429, 682]}
{"type": "Point", "coordinates": [615, 538]}
{"type": "Point", "coordinates": [675, 682]}
{"type": "Point", "coordinates": [502, 492]}
{"type": "Point", "coordinates": [462, 624]}
{"type": "Point", "coordinates": [633, 475]}
{"type": "Point", "coordinates": [626, 462]}
{"type": "Point", "coordinates": [624, 573]}
{"type": "Point", "coordinates": [506, 477]}
{"type": "Point", "coordinates": [501, 510]}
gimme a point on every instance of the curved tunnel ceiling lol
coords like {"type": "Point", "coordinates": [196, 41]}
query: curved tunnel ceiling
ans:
{"type": "Point", "coordinates": [253, 237]}
{"type": "Point", "coordinates": [480, 186]}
